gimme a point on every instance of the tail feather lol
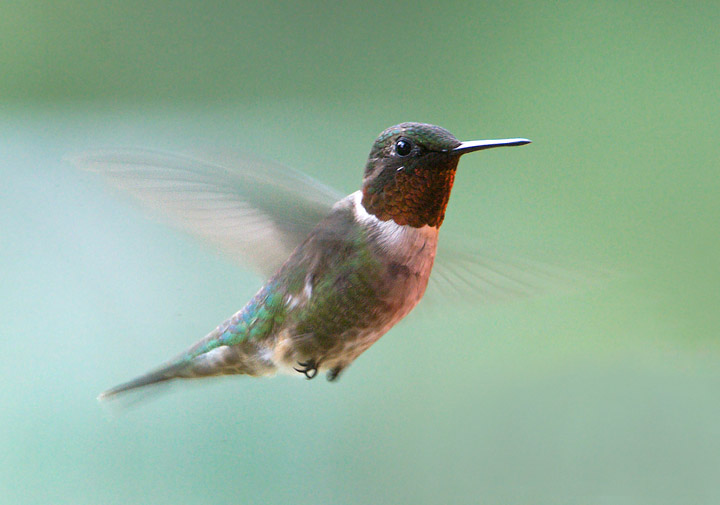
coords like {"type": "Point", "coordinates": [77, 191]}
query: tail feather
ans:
{"type": "Point", "coordinates": [191, 363]}
{"type": "Point", "coordinates": [244, 358]}
{"type": "Point", "coordinates": [225, 350]}
{"type": "Point", "coordinates": [162, 374]}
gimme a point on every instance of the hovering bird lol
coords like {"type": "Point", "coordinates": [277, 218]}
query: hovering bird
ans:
{"type": "Point", "coordinates": [340, 276]}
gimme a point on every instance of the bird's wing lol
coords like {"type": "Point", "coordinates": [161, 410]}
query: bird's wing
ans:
{"type": "Point", "coordinates": [255, 211]}
{"type": "Point", "coordinates": [466, 271]}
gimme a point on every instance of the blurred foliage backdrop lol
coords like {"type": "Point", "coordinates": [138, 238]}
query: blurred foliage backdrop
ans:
{"type": "Point", "coordinates": [607, 396]}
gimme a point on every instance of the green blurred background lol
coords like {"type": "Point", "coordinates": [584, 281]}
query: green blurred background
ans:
{"type": "Point", "coordinates": [606, 396]}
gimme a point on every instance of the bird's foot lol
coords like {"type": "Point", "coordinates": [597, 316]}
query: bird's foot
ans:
{"type": "Point", "coordinates": [309, 368]}
{"type": "Point", "coordinates": [334, 373]}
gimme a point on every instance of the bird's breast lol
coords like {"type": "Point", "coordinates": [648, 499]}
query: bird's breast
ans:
{"type": "Point", "coordinates": [407, 254]}
{"type": "Point", "coordinates": [355, 279]}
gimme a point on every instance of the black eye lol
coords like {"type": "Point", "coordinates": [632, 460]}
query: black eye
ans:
{"type": "Point", "coordinates": [403, 147]}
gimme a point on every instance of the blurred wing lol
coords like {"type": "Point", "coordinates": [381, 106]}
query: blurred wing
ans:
{"type": "Point", "coordinates": [469, 273]}
{"type": "Point", "coordinates": [258, 212]}
{"type": "Point", "coordinates": [255, 211]}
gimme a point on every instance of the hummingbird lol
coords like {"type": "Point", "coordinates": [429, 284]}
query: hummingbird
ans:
{"type": "Point", "coordinates": [343, 275]}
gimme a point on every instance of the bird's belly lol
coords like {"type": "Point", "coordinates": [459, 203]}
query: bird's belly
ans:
{"type": "Point", "coordinates": [371, 288]}
{"type": "Point", "coordinates": [398, 292]}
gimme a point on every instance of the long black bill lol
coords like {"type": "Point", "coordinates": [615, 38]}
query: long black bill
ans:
{"type": "Point", "coordinates": [477, 145]}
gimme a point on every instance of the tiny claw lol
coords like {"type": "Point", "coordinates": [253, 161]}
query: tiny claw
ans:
{"type": "Point", "coordinates": [333, 374]}
{"type": "Point", "coordinates": [309, 368]}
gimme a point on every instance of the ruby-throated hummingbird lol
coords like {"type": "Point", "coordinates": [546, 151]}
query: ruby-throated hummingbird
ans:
{"type": "Point", "coordinates": [344, 279]}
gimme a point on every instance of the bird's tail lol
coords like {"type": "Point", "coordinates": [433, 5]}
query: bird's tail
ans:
{"type": "Point", "coordinates": [209, 357]}
{"type": "Point", "coordinates": [162, 374]}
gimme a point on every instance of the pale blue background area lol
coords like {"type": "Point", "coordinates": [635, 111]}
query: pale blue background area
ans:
{"type": "Point", "coordinates": [602, 396]}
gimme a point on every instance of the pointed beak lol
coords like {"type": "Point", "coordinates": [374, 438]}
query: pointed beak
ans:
{"type": "Point", "coordinates": [477, 145]}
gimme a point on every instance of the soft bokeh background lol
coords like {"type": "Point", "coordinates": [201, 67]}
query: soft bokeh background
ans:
{"type": "Point", "coordinates": [607, 396]}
